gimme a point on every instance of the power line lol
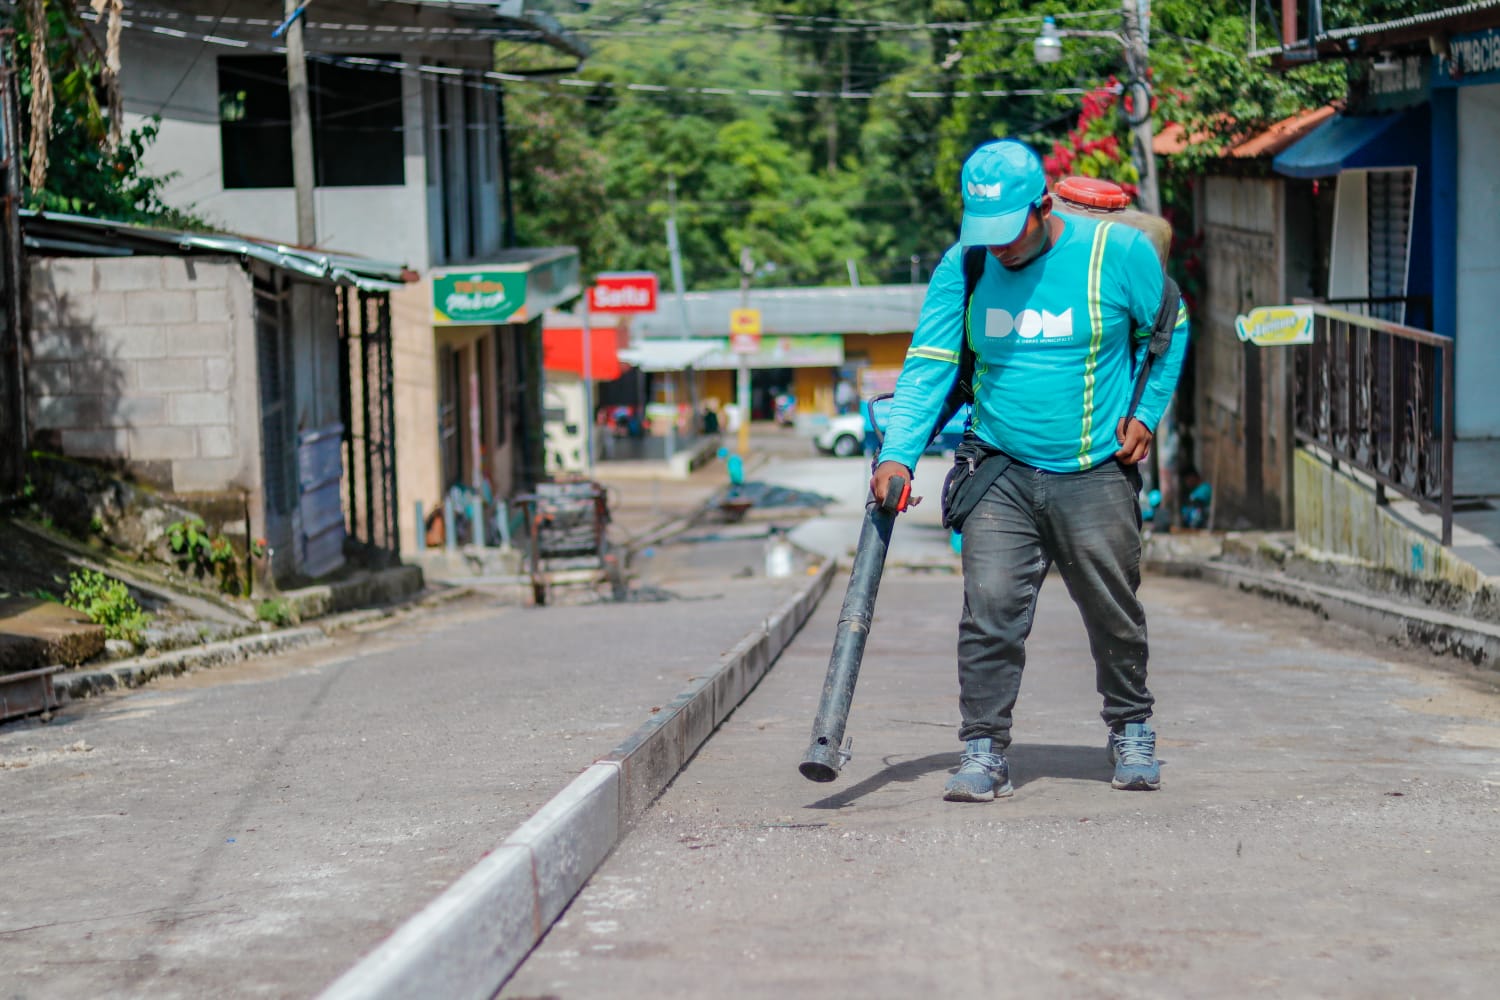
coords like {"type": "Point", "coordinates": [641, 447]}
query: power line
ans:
{"type": "Point", "coordinates": [803, 23]}
{"type": "Point", "coordinates": [197, 54]}
{"type": "Point", "coordinates": [817, 23]}
{"type": "Point", "coordinates": [425, 70]}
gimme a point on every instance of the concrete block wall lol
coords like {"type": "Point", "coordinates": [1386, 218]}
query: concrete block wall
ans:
{"type": "Point", "coordinates": [151, 361]}
{"type": "Point", "coordinates": [1337, 516]}
{"type": "Point", "coordinates": [419, 462]}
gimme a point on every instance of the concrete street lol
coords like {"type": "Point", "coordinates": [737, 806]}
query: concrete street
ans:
{"type": "Point", "coordinates": [253, 830]}
{"type": "Point", "coordinates": [1326, 827]}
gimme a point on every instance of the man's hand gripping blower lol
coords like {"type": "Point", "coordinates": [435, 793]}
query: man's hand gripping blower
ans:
{"type": "Point", "coordinates": [828, 752]}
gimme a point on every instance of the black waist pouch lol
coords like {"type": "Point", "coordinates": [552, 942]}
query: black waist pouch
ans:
{"type": "Point", "coordinates": [976, 467]}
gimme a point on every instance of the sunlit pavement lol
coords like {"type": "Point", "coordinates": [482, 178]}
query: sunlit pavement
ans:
{"type": "Point", "coordinates": [1325, 827]}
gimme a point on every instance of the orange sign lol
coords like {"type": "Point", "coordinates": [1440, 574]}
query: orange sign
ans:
{"type": "Point", "coordinates": [744, 322]}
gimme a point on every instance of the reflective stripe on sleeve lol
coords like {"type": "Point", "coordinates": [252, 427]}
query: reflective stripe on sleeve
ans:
{"type": "Point", "coordinates": [1096, 322]}
{"type": "Point", "coordinates": [933, 354]}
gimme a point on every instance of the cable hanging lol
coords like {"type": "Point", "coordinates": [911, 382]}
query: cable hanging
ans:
{"type": "Point", "coordinates": [496, 76]}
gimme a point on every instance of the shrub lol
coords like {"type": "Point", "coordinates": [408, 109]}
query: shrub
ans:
{"type": "Point", "coordinates": [106, 602]}
{"type": "Point", "coordinates": [206, 555]}
{"type": "Point", "coordinates": [276, 611]}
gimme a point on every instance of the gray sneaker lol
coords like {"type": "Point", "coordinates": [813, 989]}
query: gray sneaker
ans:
{"type": "Point", "coordinates": [982, 774]}
{"type": "Point", "coordinates": [1133, 752]}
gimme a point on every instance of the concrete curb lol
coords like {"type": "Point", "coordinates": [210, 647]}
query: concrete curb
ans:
{"type": "Point", "coordinates": [469, 940]}
{"type": "Point", "coordinates": [386, 586]}
{"type": "Point", "coordinates": [142, 670]}
{"type": "Point", "coordinates": [1475, 641]}
{"type": "Point", "coordinates": [134, 673]}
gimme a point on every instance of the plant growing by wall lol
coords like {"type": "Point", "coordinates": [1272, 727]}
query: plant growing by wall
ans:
{"type": "Point", "coordinates": [106, 601]}
{"type": "Point", "coordinates": [209, 556]}
{"type": "Point", "coordinates": [277, 612]}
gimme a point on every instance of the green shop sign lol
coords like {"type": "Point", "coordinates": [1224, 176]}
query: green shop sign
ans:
{"type": "Point", "coordinates": [477, 297]}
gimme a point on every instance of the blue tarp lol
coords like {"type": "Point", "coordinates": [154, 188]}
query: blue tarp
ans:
{"type": "Point", "coordinates": [1342, 143]}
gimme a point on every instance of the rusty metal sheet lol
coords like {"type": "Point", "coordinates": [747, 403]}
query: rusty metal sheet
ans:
{"type": "Point", "coordinates": [27, 693]}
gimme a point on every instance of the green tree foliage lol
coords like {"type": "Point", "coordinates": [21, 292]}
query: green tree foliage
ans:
{"type": "Point", "coordinates": [90, 171]}
{"type": "Point", "coordinates": [863, 165]}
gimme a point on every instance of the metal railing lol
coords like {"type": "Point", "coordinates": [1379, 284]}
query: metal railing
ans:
{"type": "Point", "coordinates": [1378, 397]}
{"type": "Point", "coordinates": [1408, 310]}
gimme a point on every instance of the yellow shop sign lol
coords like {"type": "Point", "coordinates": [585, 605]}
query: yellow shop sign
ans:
{"type": "Point", "coordinates": [1276, 326]}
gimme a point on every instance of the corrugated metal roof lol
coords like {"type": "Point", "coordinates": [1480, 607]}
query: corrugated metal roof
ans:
{"type": "Point", "coordinates": [666, 355]}
{"type": "Point", "coordinates": [1399, 24]}
{"type": "Point", "coordinates": [1173, 138]}
{"type": "Point", "coordinates": [52, 234]}
{"type": "Point", "coordinates": [513, 14]}
{"type": "Point", "coordinates": [867, 309]}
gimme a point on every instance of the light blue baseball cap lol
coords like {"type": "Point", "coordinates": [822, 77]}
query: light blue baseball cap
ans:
{"type": "Point", "coordinates": [1001, 181]}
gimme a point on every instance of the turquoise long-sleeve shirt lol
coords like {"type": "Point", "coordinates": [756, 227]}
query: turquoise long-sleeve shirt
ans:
{"type": "Point", "coordinates": [1055, 347]}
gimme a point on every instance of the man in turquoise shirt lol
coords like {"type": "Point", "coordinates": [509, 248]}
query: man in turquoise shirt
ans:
{"type": "Point", "coordinates": [1057, 322]}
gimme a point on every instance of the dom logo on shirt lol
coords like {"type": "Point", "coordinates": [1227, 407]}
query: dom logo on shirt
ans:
{"type": "Point", "coordinates": [1028, 324]}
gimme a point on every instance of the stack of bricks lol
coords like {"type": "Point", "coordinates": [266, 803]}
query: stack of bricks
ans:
{"type": "Point", "coordinates": [149, 360]}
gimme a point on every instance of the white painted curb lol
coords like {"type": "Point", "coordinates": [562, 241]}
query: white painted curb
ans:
{"type": "Point", "coordinates": [468, 941]}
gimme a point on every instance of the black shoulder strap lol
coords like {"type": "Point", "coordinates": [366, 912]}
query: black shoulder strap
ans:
{"type": "Point", "coordinates": [973, 270]}
{"type": "Point", "coordinates": [962, 392]}
{"type": "Point", "coordinates": [1161, 338]}
{"type": "Point", "coordinates": [1166, 316]}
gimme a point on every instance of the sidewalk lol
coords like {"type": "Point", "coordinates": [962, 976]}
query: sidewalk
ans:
{"type": "Point", "coordinates": [1404, 609]}
{"type": "Point", "coordinates": [646, 504]}
{"type": "Point", "coordinates": [167, 842]}
{"type": "Point", "coordinates": [1324, 807]}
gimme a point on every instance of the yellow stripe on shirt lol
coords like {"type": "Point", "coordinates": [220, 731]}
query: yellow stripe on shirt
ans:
{"type": "Point", "coordinates": [1096, 322]}
{"type": "Point", "coordinates": [933, 354]}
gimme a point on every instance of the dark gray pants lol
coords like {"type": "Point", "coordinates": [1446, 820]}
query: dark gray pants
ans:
{"type": "Point", "coordinates": [1089, 524]}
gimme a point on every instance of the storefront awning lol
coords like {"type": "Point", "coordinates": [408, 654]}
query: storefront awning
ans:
{"type": "Point", "coordinates": [1341, 143]}
{"type": "Point", "coordinates": [62, 235]}
{"type": "Point", "coordinates": [562, 351]}
{"type": "Point", "coordinates": [512, 286]}
{"type": "Point", "coordinates": [667, 355]}
{"type": "Point", "coordinates": [813, 351]}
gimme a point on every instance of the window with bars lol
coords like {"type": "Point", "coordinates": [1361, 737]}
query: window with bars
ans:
{"type": "Point", "coordinates": [357, 124]}
{"type": "Point", "coordinates": [1389, 201]}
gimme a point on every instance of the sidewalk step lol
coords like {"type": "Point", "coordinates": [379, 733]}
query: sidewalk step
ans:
{"type": "Point", "coordinates": [1409, 624]}
{"type": "Point", "coordinates": [35, 633]}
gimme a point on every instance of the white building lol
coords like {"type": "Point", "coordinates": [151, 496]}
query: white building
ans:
{"type": "Point", "coordinates": [409, 148]}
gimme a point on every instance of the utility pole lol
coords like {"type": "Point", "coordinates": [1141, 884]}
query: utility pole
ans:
{"type": "Point", "coordinates": [13, 432]}
{"type": "Point", "coordinates": [747, 268]}
{"type": "Point", "coordinates": [588, 387]}
{"type": "Point", "coordinates": [1138, 63]}
{"type": "Point", "coordinates": [303, 175]}
{"type": "Point", "coordinates": [674, 253]}
{"type": "Point", "coordinates": [1163, 458]}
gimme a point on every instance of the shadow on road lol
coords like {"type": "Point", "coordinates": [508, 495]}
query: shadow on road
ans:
{"type": "Point", "coordinates": [896, 770]}
{"type": "Point", "coordinates": [1028, 762]}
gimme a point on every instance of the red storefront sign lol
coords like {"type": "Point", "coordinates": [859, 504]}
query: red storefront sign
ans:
{"type": "Point", "coordinates": [562, 351]}
{"type": "Point", "coordinates": [632, 292]}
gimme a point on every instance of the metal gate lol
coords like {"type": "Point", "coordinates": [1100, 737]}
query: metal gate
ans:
{"type": "Point", "coordinates": [367, 387]}
{"type": "Point", "coordinates": [273, 354]}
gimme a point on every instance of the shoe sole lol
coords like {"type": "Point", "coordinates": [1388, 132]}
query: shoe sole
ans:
{"type": "Point", "coordinates": [1136, 785]}
{"type": "Point", "coordinates": [963, 795]}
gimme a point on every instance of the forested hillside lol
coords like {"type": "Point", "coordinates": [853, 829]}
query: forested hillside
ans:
{"type": "Point", "coordinates": [818, 132]}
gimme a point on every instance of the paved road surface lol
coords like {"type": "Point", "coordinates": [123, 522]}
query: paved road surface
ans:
{"type": "Point", "coordinates": [1327, 827]}
{"type": "Point", "coordinates": [252, 830]}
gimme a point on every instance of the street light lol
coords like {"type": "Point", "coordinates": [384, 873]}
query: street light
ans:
{"type": "Point", "coordinates": [1047, 49]}
{"type": "Point", "coordinates": [1048, 45]}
